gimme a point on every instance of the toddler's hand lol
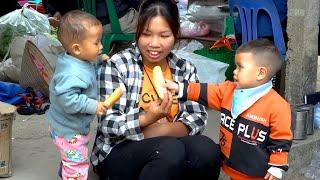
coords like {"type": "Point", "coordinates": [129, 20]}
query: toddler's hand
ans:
{"type": "Point", "coordinates": [269, 176]}
{"type": "Point", "coordinates": [102, 108]}
{"type": "Point", "coordinates": [103, 57]}
{"type": "Point", "coordinates": [171, 86]}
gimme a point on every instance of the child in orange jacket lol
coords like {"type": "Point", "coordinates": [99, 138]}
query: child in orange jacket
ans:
{"type": "Point", "coordinates": [255, 135]}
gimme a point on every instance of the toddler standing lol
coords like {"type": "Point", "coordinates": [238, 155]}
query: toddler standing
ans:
{"type": "Point", "coordinates": [73, 92]}
{"type": "Point", "coordinates": [255, 135]}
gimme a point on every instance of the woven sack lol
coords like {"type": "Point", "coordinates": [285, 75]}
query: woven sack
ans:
{"type": "Point", "coordinates": [36, 71]}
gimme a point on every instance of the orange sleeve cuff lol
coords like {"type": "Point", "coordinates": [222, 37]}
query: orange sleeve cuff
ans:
{"type": "Point", "coordinates": [279, 158]}
{"type": "Point", "coordinates": [194, 91]}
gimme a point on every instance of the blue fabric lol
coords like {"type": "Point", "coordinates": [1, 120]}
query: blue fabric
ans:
{"type": "Point", "coordinates": [264, 22]}
{"type": "Point", "coordinates": [260, 18]}
{"type": "Point", "coordinates": [35, 1]}
{"type": "Point", "coordinates": [9, 91]}
{"type": "Point", "coordinates": [242, 99]}
{"type": "Point", "coordinates": [73, 97]}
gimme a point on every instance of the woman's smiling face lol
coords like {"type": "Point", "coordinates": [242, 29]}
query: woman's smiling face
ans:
{"type": "Point", "coordinates": [156, 41]}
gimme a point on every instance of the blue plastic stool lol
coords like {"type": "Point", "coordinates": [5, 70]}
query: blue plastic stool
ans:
{"type": "Point", "coordinates": [248, 12]}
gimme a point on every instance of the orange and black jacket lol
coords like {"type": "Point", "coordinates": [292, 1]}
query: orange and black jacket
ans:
{"type": "Point", "coordinates": [258, 138]}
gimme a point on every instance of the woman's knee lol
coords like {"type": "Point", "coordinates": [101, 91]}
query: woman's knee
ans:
{"type": "Point", "coordinates": [171, 150]}
{"type": "Point", "coordinates": [202, 158]}
{"type": "Point", "coordinates": [202, 148]}
{"type": "Point", "coordinates": [167, 161]}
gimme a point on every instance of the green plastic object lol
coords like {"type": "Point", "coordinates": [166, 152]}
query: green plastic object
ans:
{"type": "Point", "coordinates": [116, 32]}
{"type": "Point", "coordinates": [228, 26]}
{"type": "Point", "coordinates": [223, 54]}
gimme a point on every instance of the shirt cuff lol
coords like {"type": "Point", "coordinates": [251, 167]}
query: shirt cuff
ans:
{"type": "Point", "coordinates": [276, 172]}
{"type": "Point", "coordinates": [92, 106]}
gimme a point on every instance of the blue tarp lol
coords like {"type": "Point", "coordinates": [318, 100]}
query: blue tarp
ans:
{"type": "Point", "coordinates": [9, 91]}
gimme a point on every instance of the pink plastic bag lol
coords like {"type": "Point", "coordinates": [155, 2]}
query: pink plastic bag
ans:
{"type": "Point", "coordinates": [193, 29]}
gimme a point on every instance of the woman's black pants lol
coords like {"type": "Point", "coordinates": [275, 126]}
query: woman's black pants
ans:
{"type": "Point", "coordinates": [163, 158]}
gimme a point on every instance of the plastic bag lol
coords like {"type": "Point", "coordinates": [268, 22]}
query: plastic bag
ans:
{"type": "Point", "coordinates": [209, 70]}
{"type": "Point", "coordinates": [193, 29]}
{"type": "Point", "coordinates": [183, 7]}
{"type": "Point", "coordinates": [31, 21]}
{"type": "Point", "coordinates": [213, 15]}
{"type": "Point", "coordinates": [192, 46]}
{"type": "Point", "coordinates": [197, 11]}
{"type": "Point", "coordinates": [24, 21]}
{"type": "Point", "coordinates": [8, 71]}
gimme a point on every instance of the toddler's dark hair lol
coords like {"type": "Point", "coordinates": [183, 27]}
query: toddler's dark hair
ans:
{"type": "Point", "coordinates": [265, 54]}
{"type": "Point", "coordinates": [74, 25]}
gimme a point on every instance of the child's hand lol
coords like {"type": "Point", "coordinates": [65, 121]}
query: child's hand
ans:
{"type": "Point", "coordinates": [103, 57]}
{"type": "Point", "coordinates": [269, 176]}
{"type": "Point", "coordinates": [172, 86]}
{"type": "Point", "coordinates": [102, 108]}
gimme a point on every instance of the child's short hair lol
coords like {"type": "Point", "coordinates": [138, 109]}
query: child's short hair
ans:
{"type": "Point", "coordinates": [74, 25]}
{"type": "Point", "coordinates": [265, 54]}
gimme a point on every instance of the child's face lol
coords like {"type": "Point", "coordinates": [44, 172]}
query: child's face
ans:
{"type": "Point", "coordinates": [91, 46]}
{"type": "Point", "coordinates": [247, 71]}
{"type": "Point", "coordinates": [156, 41]}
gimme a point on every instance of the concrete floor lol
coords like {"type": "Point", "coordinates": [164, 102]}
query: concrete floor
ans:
{"type": "Point", "coordinates": [36, 158]}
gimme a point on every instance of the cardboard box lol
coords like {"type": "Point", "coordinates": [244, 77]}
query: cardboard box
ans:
{"type": "Point", "coordinates": [7, 115]}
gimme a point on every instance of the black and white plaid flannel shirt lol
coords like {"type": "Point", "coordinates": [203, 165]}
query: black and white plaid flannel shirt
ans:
{"type": "Point", "coordinates": [121, 122]}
